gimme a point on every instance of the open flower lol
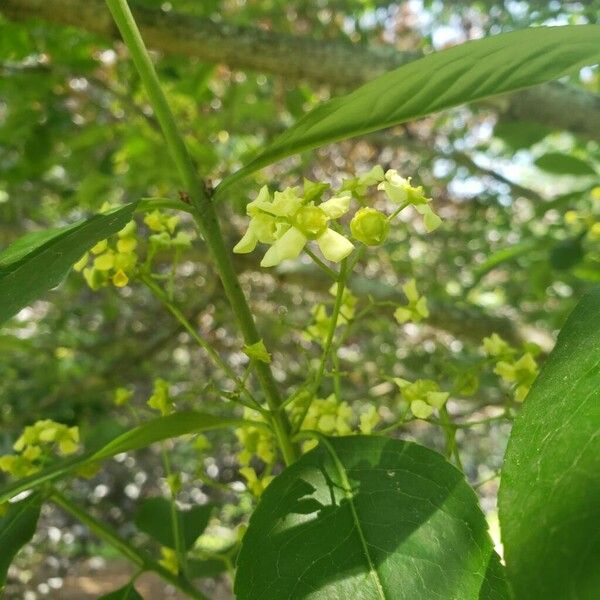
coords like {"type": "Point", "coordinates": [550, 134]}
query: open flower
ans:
{"type": "Point", "coordinates": [423, 396]}
{"type": "Point", "coordinates": [287, 222]}
{"type": "Point", "coordinates": [400, 191]}
{"type": "Point", "coordinates": [416, 310]}
{"type": "Point", "coordinates": [522, 373]}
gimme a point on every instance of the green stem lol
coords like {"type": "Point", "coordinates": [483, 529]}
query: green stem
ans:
{"type": "Point", "coordinates": [450, 432]}
{"type": "Point", "coordinates": [137, 557]}
{"type": "Point", "coordinates": [204, 344]}
{"type": "Point", "coordinates": [175, 521]}
{"type": "Point", "coordinates": [341, 283]}
{"type": "Point", "coordinates": [205, 216]}
{"type": "Point", "coordinates": [328, 270]}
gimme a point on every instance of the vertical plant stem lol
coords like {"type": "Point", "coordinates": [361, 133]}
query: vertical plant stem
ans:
{"type": "Point", "coordinates": [450, 431]}
{"type": "Point", "coordinates": [175, 521]}
{"type": "Point", "coordinates": [158, 293]}
{"type": "Point", "coordinates": [205, 216]}
{"type": "Point", "coordinates": [108, 535]}
{"type": "Point", "coordinates": [341, 286]}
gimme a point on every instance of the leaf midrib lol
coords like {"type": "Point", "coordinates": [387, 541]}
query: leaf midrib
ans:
{"type": "Point", "coordinates": [343, 474]}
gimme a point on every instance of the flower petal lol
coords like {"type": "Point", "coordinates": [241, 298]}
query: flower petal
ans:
{"type": "Point", "coordinates": [247, 243]}
{"type": "Point", "coordinates": [334, 246]}
{"type": "Point", "coordinates": [289, 245]}
{"type": "Point", "coordinates": [336, 206]}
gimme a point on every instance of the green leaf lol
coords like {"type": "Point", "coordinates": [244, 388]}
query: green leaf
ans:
{"type": "Point", "coordinates": [161, 428]}
{"type": "Point", "coordinates": [368, 517]}
{"type": "Point", "coordinates": [549, 494]}
{"type": "Point", "coordinates": [154, 518]}
{"type": "Point", "coordinates": [127, 592]}
{"type": "Point", "coordinates": [564, 164]}
{"type": "Point", "coordinates": [257, 351]}
{"type": "Point", "coordinates": [464, 73]}
{"type": "Point", "coordinates": [17, 527]}
{"type": "Point", "coordinates": [38, 262]}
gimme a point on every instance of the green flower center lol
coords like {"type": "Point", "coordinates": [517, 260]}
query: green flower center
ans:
{"type": "Point", "coordinates": [311, 221]}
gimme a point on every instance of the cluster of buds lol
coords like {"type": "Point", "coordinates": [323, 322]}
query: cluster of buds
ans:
{"type": "Point", "coordinates": [423, 396]}
{"type": "Point", "coordinates": [328, 416]}
{"type": "Point", "coordinates": [105, 264]}
{"type": "Point", "coordinates": [165, 231]}
{"type": "Point", "coordinates": [416, 309]}
{"type": "Point", "coordinates": [288, 220]}
{"type": "Point", "coordinates": [36, 443]}
{"type": "Point", "coordinates": [519, 372]}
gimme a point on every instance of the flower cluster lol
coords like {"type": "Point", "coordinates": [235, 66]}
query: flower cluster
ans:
{"type": "Point", "coordinates": [105, 264]}
{"type": "Point", "coordinates": [423, 396]}
{"type": "Point", "coordinates": [165, 231]}
{"type": "Point", "coordinates": [288, 220]}
{"type": "Point", "coordinates": [255, 441]}
{"type": "Point", "coordinates": [416, 310]}
{"type": "Point", "coordinates": [36, 443]}
{"type": "Point", "coordinates": [519, 372]}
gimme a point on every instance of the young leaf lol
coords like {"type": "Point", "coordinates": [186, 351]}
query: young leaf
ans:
{"type": "Point", "coordinates": [17, 527]}
{"type": "Point", "coordinates": [368, 517]}
{"type": "Point", "coordinates": [549, 493]}
{"type": "Point", "coordinates": [161, 428]}
{"type": "Point", "coordinates": [127, 592]}
{"type": "Point", "coordinates": [39, 262]}
{"type": "Point", "coordinates": [154, 518]}
{"type": "Point", "coordinates": [464, 73]}
{"type": "Point", "coordinates": [564, 164]}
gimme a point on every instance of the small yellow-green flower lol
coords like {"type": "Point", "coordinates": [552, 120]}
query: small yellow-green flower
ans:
{"type": "Point", "coordinates": [522, 373]}
{"type": "Point", "coordinates": [423, 396]}
{"type": "Point", "coordinates": [369, 420]}
{"type": "Point", "coordinates": [416, 310]}
{"type": "Point", "coordinates": [400, 191]}
{"type": "Point", "coordinates": [160, 399]}
{"type": "Point", "coordinates": [358, 186]}
{"type": "Point", "coordinates": [287, 222]}
{"type": "Point", "coordinates": [122, 396]}
{"type": "Point", "coordinates": [255, 441]}
{"type": "Point", "coordinates": [495, 346]}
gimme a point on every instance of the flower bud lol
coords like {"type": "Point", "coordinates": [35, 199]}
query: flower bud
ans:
{"type": "Point", "coordinates": [370, 226]}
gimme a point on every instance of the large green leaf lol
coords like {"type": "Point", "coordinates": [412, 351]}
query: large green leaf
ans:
{"type": "Point", "coordinates": [17, 527]}
{"type": "Point", "coordinates": [371, 518]}
{"type": "Point", "coordinates": [550, 490]}
{"type": "Point", "coordinates": [154, 518]}
{"type": "Point", "coordinates": [464, 73]}
{"type": "Point", "coordinates": [38, 262]}
{"type": "Point", "coordinates": [161, 428]}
